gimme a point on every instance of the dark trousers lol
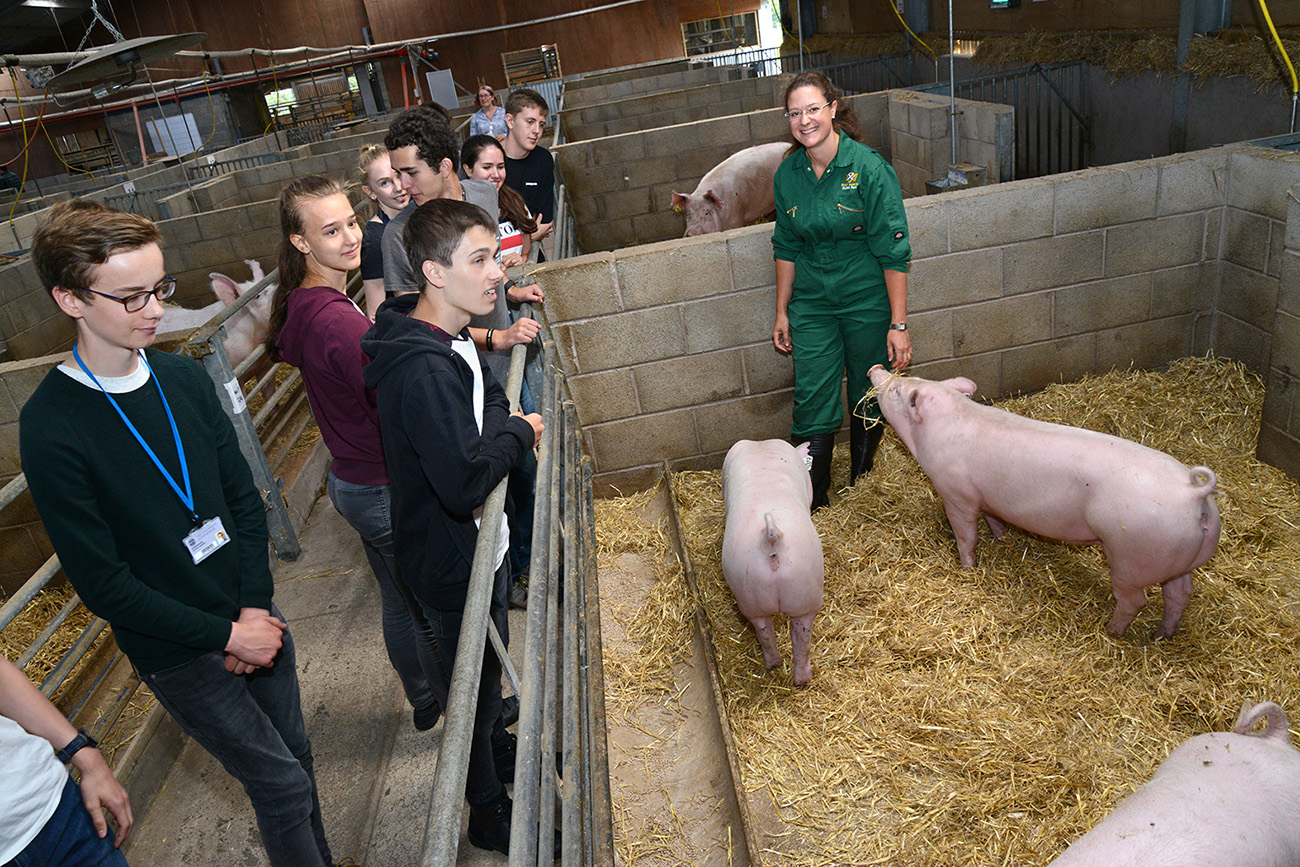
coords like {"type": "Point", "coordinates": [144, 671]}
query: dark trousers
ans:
{"type": "Point", "coordinates": [69, 839]}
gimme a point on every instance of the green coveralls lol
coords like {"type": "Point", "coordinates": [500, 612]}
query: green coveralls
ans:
{"type": "Point", "coordinates": [841, 232]}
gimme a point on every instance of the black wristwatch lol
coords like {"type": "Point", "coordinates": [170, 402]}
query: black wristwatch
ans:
{"type": "Point", "coordinates": [81, 740]}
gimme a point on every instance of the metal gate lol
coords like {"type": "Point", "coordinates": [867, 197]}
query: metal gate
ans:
{"type": "Point", "coordinates": [1051, 103]}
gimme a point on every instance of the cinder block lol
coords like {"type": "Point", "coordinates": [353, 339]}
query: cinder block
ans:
{"type": "Point", "coordinates": [941, 282]}
{"type": "Point", "coordinates": [1280, 392]}
{"type": "Point", "coordinates": [1109, 196]}
{"type": "Point", "coordinates": [225, 223]}
{"type": "Point", "coordinates": [1154, 244]}
{"type": "Point", "coordinates": [766, 370]}
{"type": "Point", "coordinates": [1286, 343]}
{"type": "Point", "coordinates": [928, 121]}
{"type": "Point", "coordinates": [983, 370]}
{"type": "Point", "coordinates": [623, 483]}
{"type": "Point", "coordinates": [1002, 324]}
{"type": "Point", "coordinates": [931, 335]}
{"type": "Point", "coordinates": [1277, 232]}
{"type": "Point", "coordinates": [1288, 285]}
{"type": "Point", "coordinates": [1189, 289]}
{"type": "Point", "coordinates": [999, 214]}
{"type": "Point", "coordinates": [634, 337]}
{"type": "Point", "coordinates": [617, 150]}
{"type": "Point", "coordinates": [1213, 248]}
{"type": "Point", "coordinates": [1279, 449]}
{"type": "Point", "coordinates": [1146, 344]}
{"type": "Point", "coordinates": [648, 172]}
{"type": "Point", "coordinates": [636, 441]}
{"type": "Point", "coordinates": [1239, 341]}
{"type": "Point", "coordinates": [766, 126]}
{"type": "Point", "coordinates": [1248, 296]}
{"type": "Point", "coordinates": [605, 396]}
{"type": "Point", "coordinates": [1291, 239]}
{"type": "Point", "coordinates": [1102, 305]}
{"type": "Point", "coordinates": [625, 203]}
{"type": "Point", "coordinates": [690, 380]}
{"type": "Point", "coordinates": [180, 231]}
{"type": "Point", "coordinates": [579, 288]}
{"type": "Point", "coordinates": [729, 320]}
{"type": "Point", "coordinates": [1245, 239]}
{"type": "Point", "coordinates": [611, 235]}
{"type": "Point", "coordinates": [927, 227]}
{"type": "Point", "coordinates": [1192, 182]}
{"type": "Point", "coordinates": [1259, 179]}
{"type": "Point", "coordinates": [1046, 263]}
{"type": "Point", "coordinates": [764, 416]}
{"type": "Point", "coordinates": [1031, 368]}
{"type": "Point", "coordinates": [749, 249]}
{"type": "Point", "coordinates": [673, 271]}
{"type": "Point", "coordinates": [651, 228]}
{"type": "Point", "coordinates": [906, 147]}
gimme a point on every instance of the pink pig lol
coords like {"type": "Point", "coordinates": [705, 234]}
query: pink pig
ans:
{"type": "Point", "coordinates": [245, 331]}
{"type": "Point", "coordinates": [735, 192]}
{"type": "Point", "coordinates": [1154, 517]}
{"type": "Point", "coordinates": [1227, 799]}
{"type": "Point", "coordinates": [771, 553]}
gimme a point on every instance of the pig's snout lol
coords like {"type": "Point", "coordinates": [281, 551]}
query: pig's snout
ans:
{"type": "Point", "coordinates": [878, 375]}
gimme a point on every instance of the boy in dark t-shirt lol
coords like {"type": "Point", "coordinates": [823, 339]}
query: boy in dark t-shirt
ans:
{"type": "Point", "coordinates": [530, 168]}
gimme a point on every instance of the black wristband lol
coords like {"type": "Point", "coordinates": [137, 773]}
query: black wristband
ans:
{"type": "Point", "coordinates": [488, 341]}
{"type": "Point", "coordinates": [81, 740]}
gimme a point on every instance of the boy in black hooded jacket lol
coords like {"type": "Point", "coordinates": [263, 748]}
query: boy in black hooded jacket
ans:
{"type": "Point", "coordinates": [449, 438]}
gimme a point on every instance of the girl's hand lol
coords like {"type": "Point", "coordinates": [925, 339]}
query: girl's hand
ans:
{"type": "Point", "coordinates": [900, 349]}
{"type": "Point", "coordinates": [781, 335]}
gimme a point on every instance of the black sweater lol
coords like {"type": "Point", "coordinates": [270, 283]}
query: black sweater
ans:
{"type": "Point", "coordinates": [439, 466]}
{"type": "Point", "coordinates": [117, 525]}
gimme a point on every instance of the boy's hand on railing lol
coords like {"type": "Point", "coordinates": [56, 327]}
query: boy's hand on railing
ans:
{"type": "Point", "coordinates": [517, 294]}
{"type": "Point", "coordinates": [523, 331]}
{"type": "Point", "coordinates": [534, 419]}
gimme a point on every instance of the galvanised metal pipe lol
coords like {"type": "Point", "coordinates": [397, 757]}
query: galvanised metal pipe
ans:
{"type": "Point", "coordinates": [600, 830]}
{"type": "Point", "coordinates": [442, 834]}
{"type": "Point", "coordinates": [573, 692]}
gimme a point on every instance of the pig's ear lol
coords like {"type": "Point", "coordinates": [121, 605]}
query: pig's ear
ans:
{"type": "Point", "coordinates": [962, 384]}
{"type": "Point", "coordinates": [257, 269]}
{"type": "Point", "coordinates": [224, 288]}
{"type": "Point", "coordinates": [680, 200]}
{"type": "Point", "coordinates": [712, 198]}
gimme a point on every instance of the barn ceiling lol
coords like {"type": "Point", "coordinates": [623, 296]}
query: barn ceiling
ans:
{"type": "Point", "coordinates": [38, 26]}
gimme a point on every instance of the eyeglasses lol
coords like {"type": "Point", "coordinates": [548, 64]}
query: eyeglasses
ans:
{"type": "Point", "coordinates": [136, 301]}
{"type": "Point", "coordinates": [797, 113]}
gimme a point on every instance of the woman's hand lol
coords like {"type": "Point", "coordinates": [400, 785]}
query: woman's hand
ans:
{"type": "Point", "coordinates": [781, 335]}
{"type": "Point", "coordinates": [512, 260]}
{"type": "Point", "coordinates": [900, 349]}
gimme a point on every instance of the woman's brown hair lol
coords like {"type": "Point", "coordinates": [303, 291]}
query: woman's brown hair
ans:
{"type": "Point", "coordinates": [845, 119]}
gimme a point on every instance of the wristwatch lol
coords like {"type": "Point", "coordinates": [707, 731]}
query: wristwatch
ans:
{"type": "Point", "coordinates": [898, 326]}
{"type": "Point", "coordinates": [81, 740]}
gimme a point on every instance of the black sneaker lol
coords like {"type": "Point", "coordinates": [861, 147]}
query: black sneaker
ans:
{"type": "Point", "coordinates": [489, 825]}
{"type": "Point", "coordinates": [519, 592]}
{"type": "Point", "coordinates": [505, 746]}
{"type": "Point", "coordinates": [426, 718]}
{"type": "Point", "coordinates": [509, 711]}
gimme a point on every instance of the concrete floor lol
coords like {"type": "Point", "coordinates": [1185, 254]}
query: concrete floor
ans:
{"type": "Point", "coordinates": [373, 769]}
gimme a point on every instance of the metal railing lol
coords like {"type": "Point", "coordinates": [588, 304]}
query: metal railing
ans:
{"type": "Point", "coordinates": [146, 201]}
{"type": "Point", "coordinates": [764, 61]}
{"type": "Point", "coordinates": [871, 74]}
{"type": "Point", "coordinates": [214, 167]}
{"type": "Point", "coordinates": [561, 686]}
{"type": "Point", "coordinates": [1051, 113]}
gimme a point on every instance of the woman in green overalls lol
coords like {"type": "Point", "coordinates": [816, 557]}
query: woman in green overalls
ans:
{"type": "Point", "coordinates": [842, 255]}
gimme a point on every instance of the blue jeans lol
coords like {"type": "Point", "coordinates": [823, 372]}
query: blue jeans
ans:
{"type": "Point", "coordinates": [69, 839]}
{"type": "Point", "coordinates": [409, 640]}
{"type": "Point", "coordinates": [481, 784]}
{"type": "Point", "coordinates": [253, 725]}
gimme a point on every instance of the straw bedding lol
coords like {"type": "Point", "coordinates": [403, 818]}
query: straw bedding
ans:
{"type": "Point", "coordinates": [985, 716]}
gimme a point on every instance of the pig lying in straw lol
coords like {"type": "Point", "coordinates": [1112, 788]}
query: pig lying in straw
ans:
{"type": "Point", "coordinates": [771, 553]}
{"type": "Point", "coordinates": [1155, 518]}
{"type": "Point", "coordinates": [1227, 799]}
{"type": "Point", "coordinates": [735, 192]}
{"type": "Point", "coordinates": [245, 331]}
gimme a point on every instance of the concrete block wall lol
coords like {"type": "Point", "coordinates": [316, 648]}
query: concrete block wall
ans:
{"type": "Point", "coordinates": [920, 135]}
{"type": "Point", "coordinates": [1258, 303]}
{"type": "Point", "coordinates": [24, 545]}
{"type": "Point", "coordinates": [621, 187]}
{"type": "Point", "coordinates": [627, 73]}
{"type": "Point", "coordinates": [668, 108]}
{"type": "Point", "coordinates": [667, 346]}
{"type": "Point", "coordinates": [676, 79]}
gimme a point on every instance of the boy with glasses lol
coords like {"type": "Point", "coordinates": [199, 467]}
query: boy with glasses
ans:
{"type": "Point", "coordinates": [151, 507]}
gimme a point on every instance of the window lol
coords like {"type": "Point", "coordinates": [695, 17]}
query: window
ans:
{"type": "Point", "coordinates": [720, 34]}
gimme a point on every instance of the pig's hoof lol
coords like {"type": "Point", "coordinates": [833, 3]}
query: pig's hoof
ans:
{"type": "Point", "coordinates": [1162, 634]}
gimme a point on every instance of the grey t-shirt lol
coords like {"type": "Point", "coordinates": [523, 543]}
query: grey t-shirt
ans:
{"type": "Point", "coordinates": [399, 276]}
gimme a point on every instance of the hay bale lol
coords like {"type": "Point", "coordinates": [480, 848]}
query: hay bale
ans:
{"type": "Point", "coordinates": [985, 716]}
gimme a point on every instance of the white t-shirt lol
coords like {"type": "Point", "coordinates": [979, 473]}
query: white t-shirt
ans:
{"type": "Point", "coordinates": [33, 784]}
{"type": "Point", "coordinates": [468, 351]}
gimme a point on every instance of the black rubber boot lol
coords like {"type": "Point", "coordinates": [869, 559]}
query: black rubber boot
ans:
{"type": "Point", "coordinates": [863, 442]}
{"type": "Point", "coordinates": [820, 447]}
{"type": "Point", "coordinates": [489, 825]}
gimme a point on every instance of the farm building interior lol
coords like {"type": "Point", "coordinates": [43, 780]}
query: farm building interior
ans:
{"type": "Point", "coordinates": [1103, 203]}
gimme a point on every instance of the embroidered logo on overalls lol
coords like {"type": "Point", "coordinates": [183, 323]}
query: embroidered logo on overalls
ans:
{"type": "Point", "coordinates": [850, 181]}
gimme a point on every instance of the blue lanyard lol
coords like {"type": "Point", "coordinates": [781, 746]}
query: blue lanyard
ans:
{"type": "Point", "coordinates": [187, 496]}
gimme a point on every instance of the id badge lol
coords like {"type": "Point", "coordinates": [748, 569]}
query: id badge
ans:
{"type": "Point", "coordinates": [205, 539]}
